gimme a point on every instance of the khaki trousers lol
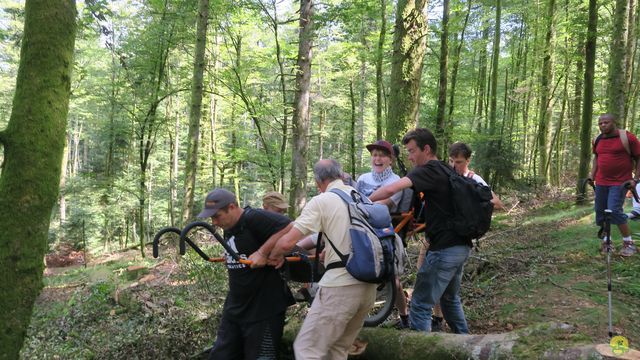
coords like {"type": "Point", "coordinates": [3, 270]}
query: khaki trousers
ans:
{"type": "Point", "coordinates": [333, 322]}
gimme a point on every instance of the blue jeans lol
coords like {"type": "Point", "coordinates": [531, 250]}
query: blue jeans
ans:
{"type": "Point", "coordinates": [439, 281]}
{"type": "Point", "coordinates": [612, 198]}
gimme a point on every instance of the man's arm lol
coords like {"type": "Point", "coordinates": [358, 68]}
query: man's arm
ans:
{"type": "Point", "coordinates": [497, 203]}
{"type": "Point", "coordinates": [386, 192]}
{"type": "Point", "coordinates": [284, 245]}
{"type": "Point", "coordinates": [259, 258]}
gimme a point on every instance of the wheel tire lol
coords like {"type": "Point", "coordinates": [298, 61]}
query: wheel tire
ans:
{"type": "Point", "coordinates": [385, 301]}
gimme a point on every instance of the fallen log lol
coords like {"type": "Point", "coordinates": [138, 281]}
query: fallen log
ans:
{"type": "Point", "coordinates": [388, 344]}
{"type": "Point", "coordinates": [538, 341]}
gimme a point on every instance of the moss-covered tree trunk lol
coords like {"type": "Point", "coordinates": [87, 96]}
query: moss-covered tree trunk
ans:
{"type": "Point", "coordinates": [587, 104]}
{"type": "Point", "coordinates": [495, 59]}
{"type": "Point", "coordinates": [441, 121]}
{"type": "Point", "coordinates": [300, 120]}
{"type": "Point", "coordinates": [33, 146]}
{"type": "Point", "coordinates": [545, 112]}
{"type": "Point", "coordinates": [195, 112]}
{"type": "Point", "coordinates": [387, 344]}
{"type": "Point", "coordinates": [379, 60]}
{"type": "Point", "coordinates": [409, 46]}
{"type": "Point", "coordinates": [617, 72]}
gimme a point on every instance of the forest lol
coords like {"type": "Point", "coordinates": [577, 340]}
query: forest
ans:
{"type": "Point", "coordinates": [117, 117]}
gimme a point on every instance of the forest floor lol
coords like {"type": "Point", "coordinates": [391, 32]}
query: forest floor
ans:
{"type": "Point", "coordinates": [539, 264]}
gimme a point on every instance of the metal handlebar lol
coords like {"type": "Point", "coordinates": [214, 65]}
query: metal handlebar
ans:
{"type": "Point", "coordinates": [630, 185]}
{"type": "Point", "coordinates": [184, 239]}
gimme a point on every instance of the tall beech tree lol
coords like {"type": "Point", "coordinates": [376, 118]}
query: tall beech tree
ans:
{"type": "Point", "coordinates": [196, 110]}
{"type": "Point", "coordinates": [33, 144]}
{"type": "Point", "coordinates": [587, 103]}
{"type": "Point", "coordinates": [617, 72]}
{"type": "Point", "coordinates": [409, 46]}
{"type": "Point", "coordinates": [379, 60]}
{"type": "Point", "coordinates": [546, 78]}
{"type": "Point", "coordinates": [441, 121]}
{"type": "Point", "coordinates": [300, 120]}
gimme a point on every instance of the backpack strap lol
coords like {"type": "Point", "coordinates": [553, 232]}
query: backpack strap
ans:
{"type": "Point", "coordinates": [355, 197]}
{"type": "Point", "coordinates": [343, 258]}
{"type": "Point", "coordinates": [316, 260]}
{"type": "Point", "coordinates": [625, 140]}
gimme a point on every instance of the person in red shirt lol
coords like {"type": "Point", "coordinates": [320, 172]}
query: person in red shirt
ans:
{"type": "Point", "coordinates": [612, 166]}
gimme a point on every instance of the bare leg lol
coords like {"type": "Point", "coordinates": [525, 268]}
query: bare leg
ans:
{"type": "Point", "coordinates": [401, 300]}
{"type": "Point", "coordinates": [437, 311]}
{"type": "Point", "coordinates": [624, 230]}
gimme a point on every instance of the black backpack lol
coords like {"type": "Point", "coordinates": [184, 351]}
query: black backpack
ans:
{"type": "Point", "coordinates": [472, 205]}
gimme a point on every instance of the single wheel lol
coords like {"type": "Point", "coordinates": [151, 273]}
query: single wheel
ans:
{"type": "Point", "coordinates": [382, 307]}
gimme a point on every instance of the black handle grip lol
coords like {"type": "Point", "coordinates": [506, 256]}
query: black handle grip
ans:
{"type": "Point", "coordinates": [630, 185]}
{"type": "Point", "coordinates": [156, 239]}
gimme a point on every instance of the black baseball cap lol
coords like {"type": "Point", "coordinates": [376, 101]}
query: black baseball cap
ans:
{"type": "Point", "coordinates": [216, 200]}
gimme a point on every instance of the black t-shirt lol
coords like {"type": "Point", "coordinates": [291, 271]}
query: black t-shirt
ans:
{"type": "Point", "coordinates": [254, 294]}
{"type": "Point", "coordinates": [432, 180]}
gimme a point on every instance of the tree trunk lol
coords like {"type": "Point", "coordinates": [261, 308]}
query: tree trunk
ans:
{"type": "Point", "coordinates": [352, 132]}
{"type": "Point", "coordinates": [587, 104]}
{"type": "Point", "coordinates": [359, 146]}
{"type": "Point", "coordinates": [545, 95]}
{"type": "Point", "coordinates": [386, 344]}
{"type": "Point", "coordinates": [173, 180]}
{"type": "Point", "coordinates": [301, 117]}
{"type": "Point", "coordinates": [213, 113]}
{"type": "Point", "coordinates": [148, 126]}
{"type": "Point", "coordinates": [77, 131]}
{"type": "Point", "coordinates": [441, 121]}
{"type": "Point", "coordinates": [63, 190]}
{"type": "Point", "coordinates": [379, 60]}
{"type": "Point", "coordinates": [495, 56]}
{"type": "Point", "coordinates": [321, 121]}
{"type": "Point", "coordinates": [616, 86]}
{"type": "Point", "coordinates": [630, 52]}
{"type": "Point", "coordinates": [454, 70]}
{"type": "Point", "coordinates": [409, 46]}
{"type": "Point", "coordinates": [482, 76]}
{"type": "Point", "coordinates": [33, 148]}
{"type": "Point", "coordinates": [577, 91]}
{"type": "Point", "coordinates": [274, 22]}
{"type": "Point", "coordinates": [191, 165]}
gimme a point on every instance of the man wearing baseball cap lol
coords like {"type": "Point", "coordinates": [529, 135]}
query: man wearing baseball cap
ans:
{"type": "Point", "coordinates": [253, 313]}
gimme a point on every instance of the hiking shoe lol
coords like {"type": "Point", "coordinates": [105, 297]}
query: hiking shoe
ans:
{"type": "Point", "coordinates": [628, 249]}
{"type": "Point", "coordinates": [437, 324]}
{"type": "Point", "coordinates": [403, 323]}
{"type": "Point", "coordinates": [603, 248]}
{"type": "Point", "coordinates": [634, 215]}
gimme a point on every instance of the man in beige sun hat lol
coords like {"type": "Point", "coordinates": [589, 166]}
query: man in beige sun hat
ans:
{"type": "Point", "coordinates": [274, 201]}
